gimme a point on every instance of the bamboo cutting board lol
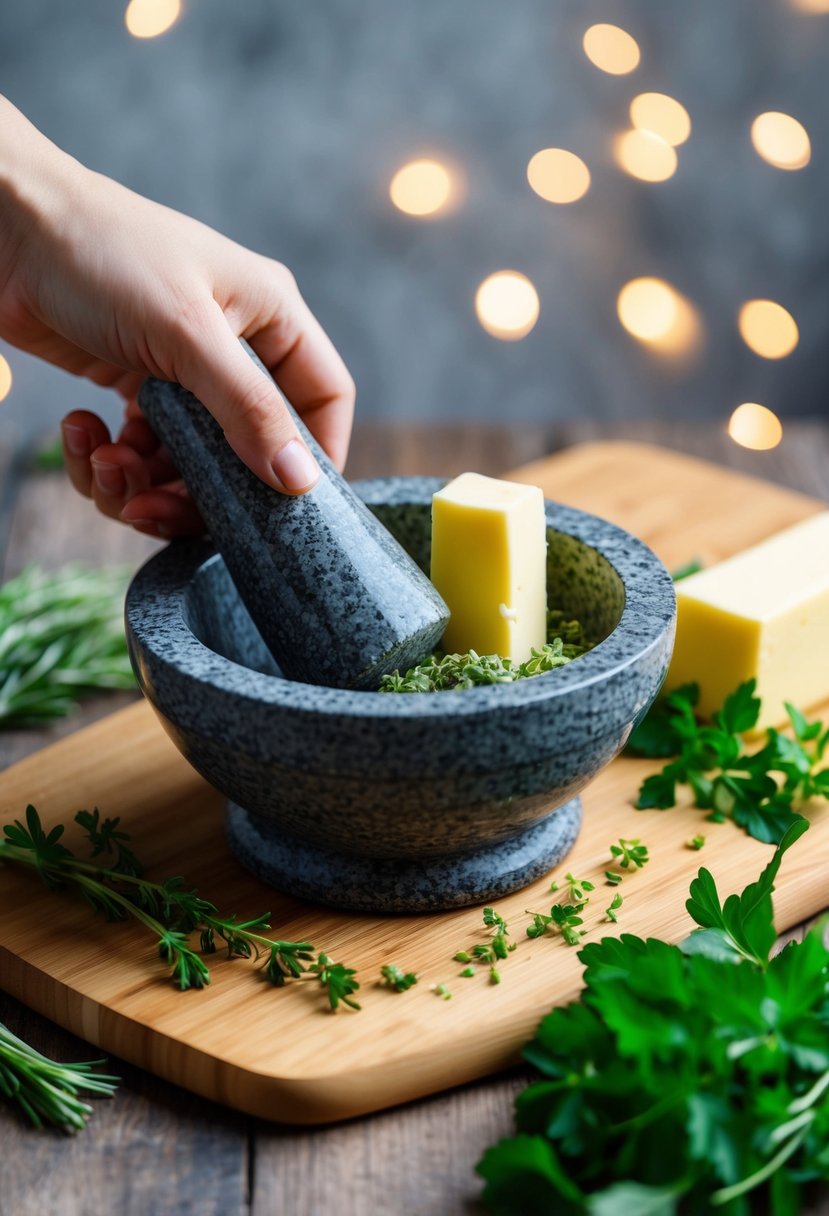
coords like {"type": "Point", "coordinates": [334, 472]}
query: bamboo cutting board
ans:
{"type": "Point", "coordinates": [278, 1053]}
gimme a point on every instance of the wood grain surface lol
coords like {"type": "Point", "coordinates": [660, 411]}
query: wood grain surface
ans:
{"type": "Point", "coordinates": [155, 1147]}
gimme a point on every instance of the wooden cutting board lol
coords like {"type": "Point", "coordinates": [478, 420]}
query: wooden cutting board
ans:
{"type": "Point", "coordinates": [280, 1054]}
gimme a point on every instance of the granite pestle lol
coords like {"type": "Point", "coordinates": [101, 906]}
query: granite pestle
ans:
{"type": "Point", "coordinates": [337, 600]}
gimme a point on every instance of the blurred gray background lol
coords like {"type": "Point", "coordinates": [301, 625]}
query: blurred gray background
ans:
{"type": "Point", "coordinates": [281, 123]}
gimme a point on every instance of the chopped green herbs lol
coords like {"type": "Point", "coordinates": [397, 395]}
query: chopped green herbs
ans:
{"type": "Point", "coordinates": [441, 990]}
{"type": "Point", "coordinates": [171, 911]}
{"type": "Point", "coordinates": [46, 1091]}
{"type": "Point", "coordinates": [577, 888]}
{"type": "Point", "coordinates": [564, 919]}
{"type": "Point", "coordinates": [692, 1078]}
{"type": "Point", "coordinates": [391, 976]}
{"type": "Point", "coordinates": [761, 790]}
{"type": "Point", "coordinates": [444, 672]}
{"type": "Point", "coordinates": [613, 908]}
{"type": "Point", "coordinates": [61, 636]}
{"type": "Point", "coordinates": [630, 854]}
{"type": "Point", "coordinates": [488, 954]}
{"type": "Point", "coordinates": [337, 980]}
{"type": "Point", "coordinates": [696, 842]}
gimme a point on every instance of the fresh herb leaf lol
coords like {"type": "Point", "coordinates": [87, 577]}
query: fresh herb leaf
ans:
{"type": "Point", "coordinates": [761, 790]}
{"type": "Point", "coordinates": [338, 981]}
{"type": "Point", "coordinates": [441, 990]}
{"type": "Point", "coordinates": [48, 1092]}
{"type": "Point", "coordinates": [61, 637]}
{"type": "Point", "coordinates": [696, 843]}
{"type": "Point", "coordinates": [615, 905]}
{"type": "Point", "coordinates": [391, 976]}
{"type": "Point", "coordinates": [691, 1078]}
{"type": "Point", "coordinates": [630, 854]}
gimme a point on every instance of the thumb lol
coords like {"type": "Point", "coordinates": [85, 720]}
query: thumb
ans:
{"type": "Point", "coordinates": [247, 406]}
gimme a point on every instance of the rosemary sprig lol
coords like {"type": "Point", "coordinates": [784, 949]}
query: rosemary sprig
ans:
{"type": "Point", "coordinates": [61, 636]}
{"type": "Point", "coordinates": [45, 1090]}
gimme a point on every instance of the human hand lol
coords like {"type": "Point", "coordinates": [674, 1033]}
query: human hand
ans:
{"type": "Point", "coordinates": [113, 287]}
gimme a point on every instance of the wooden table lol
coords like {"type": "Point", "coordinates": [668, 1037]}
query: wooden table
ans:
{"type": "Point", "coordinates": [157, 1149]}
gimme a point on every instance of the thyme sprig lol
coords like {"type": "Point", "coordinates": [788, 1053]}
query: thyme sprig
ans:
{"type": "Point", "coordinates": [170, 910]}
{"type": "Point", "coordinates": [61, 636]}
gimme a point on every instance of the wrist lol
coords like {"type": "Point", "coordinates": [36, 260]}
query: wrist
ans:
{"type": "Point", "coordinates": [35, 181]}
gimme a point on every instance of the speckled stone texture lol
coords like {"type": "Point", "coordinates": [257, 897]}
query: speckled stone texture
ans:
{"type": "Point", "coordinates": [419, 779]}
{"type": "Point", "coordinates": [367, 884]}
{"type": "Point", "coordinates": [336, 599]}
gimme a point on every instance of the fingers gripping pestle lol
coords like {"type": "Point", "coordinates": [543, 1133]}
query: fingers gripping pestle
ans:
{"type": "Point", "coordinates": [336, 599]}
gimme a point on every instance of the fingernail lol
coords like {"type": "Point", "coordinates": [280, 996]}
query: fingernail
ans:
{"type": "Point", "coordinates": [295, 467]}
{"type": "Point", "coordinates": [76, 439]}
{"type": "Point", "coordinates": [152, 527]}
{"type": "Point", "coordinates": [109, 478]}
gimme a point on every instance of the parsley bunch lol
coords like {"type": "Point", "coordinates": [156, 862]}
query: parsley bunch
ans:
{"type": "Point", "coordinates": [61, 635]}
{"type": "Point", "coordinates": [686, 1078]}
{"type": "Point", "coordinates": [759, 790]}
{"type": "Point", "coordinates": [443, 672]}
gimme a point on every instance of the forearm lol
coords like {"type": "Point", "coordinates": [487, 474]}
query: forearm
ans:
{"type": "Point", "coordinates": [34, 173]}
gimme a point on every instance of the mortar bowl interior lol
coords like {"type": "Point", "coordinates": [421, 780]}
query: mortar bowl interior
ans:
{"type": "Point", "coordinates": [418, 788]}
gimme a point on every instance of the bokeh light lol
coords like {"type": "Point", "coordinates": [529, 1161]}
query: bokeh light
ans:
{"type": "Point", "coordinates": [422, 187]}
{"type": "Point", "coordinates": [644, 155]}
{"type": "Point", "coordinates": [661, 115]}
{"type": "Point", "coordinates": [655, 313]}
{"type": "Point", "coordinates": [558, 176]}
{"type": "Point", "coordinates": [149, 18]}
{"type": "Point", "coordinates": [754, 426]}
{"type": "Point", "coordinates": [6, 378]}
{"type": "Point", "coordinates": [768, 328]}
{"type": "Point", "coordinates": [811, 6]}
{"type": "Point", "coordinates": [781, 140]}
{"type": "Point", "coordinates": [507, 305]}
{"type": "Point", "coordinates": [611, 49]}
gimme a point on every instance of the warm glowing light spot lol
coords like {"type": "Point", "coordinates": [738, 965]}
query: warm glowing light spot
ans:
{"type": "Point", "coordinates": [781, 140]}
{"type": "Point", "coordinates": [612, 49]}
{"type": "Point", "coordinates": [661, 115]}
{"type": "Point", "coordinates": [507, 305]}
{"type": "Point", "coordinates": [5, 378]}
{"type": "Point", "coordinates": [149, 18]}
{"type": "Point", "coordinates": [656, 313]}
{"type": "Point", "coordinates": [422, 187]}
{"type": "Point", "coordinates": [644, 155]}
{"type": "Point", "coordinates": [558, 176]}
{"type": "Point", "coordinates": [768, 328]}
{"type": "Point", "coordinates": [753, 426]}
{"type": "Point", "coordinates": [811, 6]}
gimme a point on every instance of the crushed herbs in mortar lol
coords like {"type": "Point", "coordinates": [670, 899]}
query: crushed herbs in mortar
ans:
{"type": "Point", "coordinates": [440, 672]}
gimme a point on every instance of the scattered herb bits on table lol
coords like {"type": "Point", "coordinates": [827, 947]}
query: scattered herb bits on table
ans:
{"type": "Point", "coordinates": [690, 1078]}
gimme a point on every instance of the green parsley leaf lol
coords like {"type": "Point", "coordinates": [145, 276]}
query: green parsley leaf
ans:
{"type": "Point", "coordinates": [685, 1079]}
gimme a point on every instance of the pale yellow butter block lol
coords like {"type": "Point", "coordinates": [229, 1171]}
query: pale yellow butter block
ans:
{"type": "Point", "coordinates": [763, 613]}
{"type": "Point", "coordinates": [489, 562]}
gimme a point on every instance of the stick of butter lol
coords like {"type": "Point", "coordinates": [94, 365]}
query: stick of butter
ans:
{"type": "Point", "coordinates": [763, 613]}
{"type": "Point", "coordinates": [489, 562]}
